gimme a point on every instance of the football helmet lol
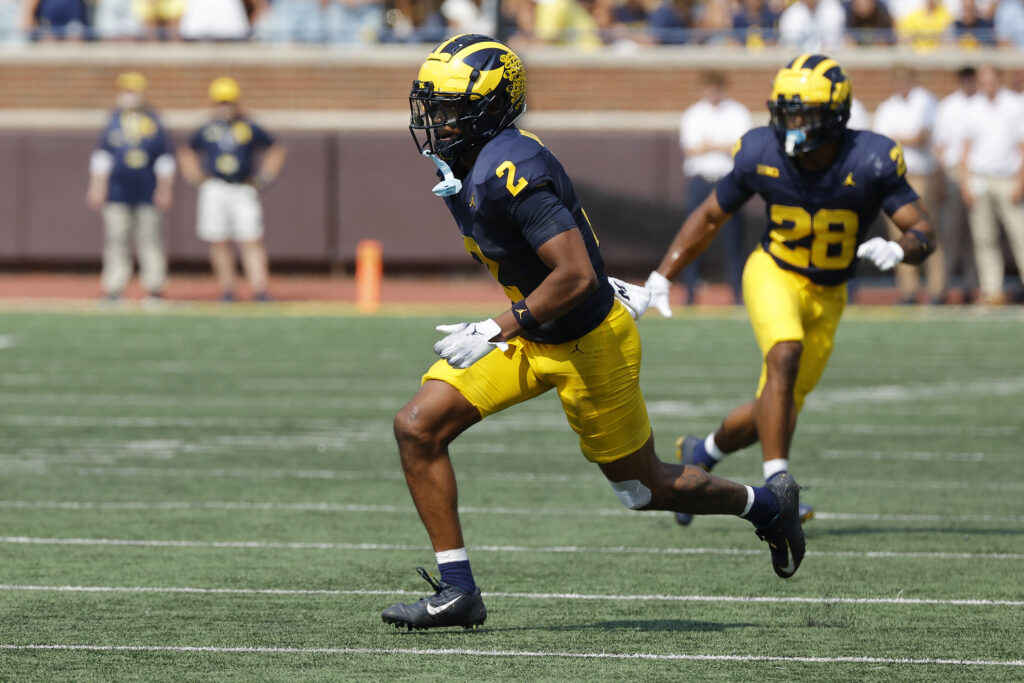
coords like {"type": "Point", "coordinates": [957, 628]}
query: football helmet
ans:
{"type": "Point", "coordinates": [471, 83]}
{"type": "Point", "coordinates": [810, 103]}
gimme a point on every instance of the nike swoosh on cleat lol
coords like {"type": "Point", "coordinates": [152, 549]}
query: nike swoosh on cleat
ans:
{"type": "Point", "coordinates": [788, 569]}
{"type": "Point", "coordinates": [431, 610]}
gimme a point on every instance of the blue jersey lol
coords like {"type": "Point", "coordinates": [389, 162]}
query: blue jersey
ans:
{"type": "Point", "coordinates": [816, 219]}
{"type": "Point", "coordinates": [135, 139]}
{"type": "Point", "coordinates": [228, 149]}
{"type": "Point", "coordinates": [510, 168]}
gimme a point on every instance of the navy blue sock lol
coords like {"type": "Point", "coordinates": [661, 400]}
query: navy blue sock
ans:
{"type": "Point", "coordinates": [701, 457]}
{"type": "Point", "coordinates": [765, 507]}
{"type": "Point", "coordinates": [459, 574]}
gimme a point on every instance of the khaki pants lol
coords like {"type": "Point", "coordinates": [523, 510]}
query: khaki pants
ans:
{"type": "Point", "coordinates": [992, 201]}
{"type": "Point", "coordinates": [118, 220]}
{"type": "Point", "coordinates": [908, 278]}
{"type": "Point", "coordinates": [956, 234]}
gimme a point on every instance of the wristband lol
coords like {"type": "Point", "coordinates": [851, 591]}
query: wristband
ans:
{"type": "Point", "coordinates": [922, 239]}
{"type": "Point", "coordinates": [523, 315]}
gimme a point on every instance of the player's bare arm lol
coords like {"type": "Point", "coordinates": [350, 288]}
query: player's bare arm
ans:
{"type": "Point", "coordinates": [695, 235]}
{"type": "Point", "coordinates": [572, 279]}
{"type": "Point", "coordinates": [188, 162]}
{"type": "Point", "coordinates": [918, 240]}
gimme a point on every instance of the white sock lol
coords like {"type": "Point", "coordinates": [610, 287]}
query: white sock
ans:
{"type": "Point", "coordinates": [457, 555]}
{"type": "Point", "coordinates": [773, 467]}
{"type": "Point", "coordinates": [713, 451]}
{"type": "Point", "coordinates": [750, 500]}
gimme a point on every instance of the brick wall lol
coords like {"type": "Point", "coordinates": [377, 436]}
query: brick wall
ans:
{"type": "Point", "coordinates": [68, 77]}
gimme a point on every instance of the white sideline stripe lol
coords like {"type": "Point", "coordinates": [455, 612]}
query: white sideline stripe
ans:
{"type": "Point", "coordinates": [467, 509]}
{"type": "Point", "coordinates": [619, 550]}
{"type": "Point", "coordinates": [771, 599]}
{"type": "Point", "coordinates": [513, 653]}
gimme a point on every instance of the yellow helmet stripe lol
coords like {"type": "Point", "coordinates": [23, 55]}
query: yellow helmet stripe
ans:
{"type": "Point", "coordinates": [799, 61]}
{"type": "Point", "coordinates": [823, 67]}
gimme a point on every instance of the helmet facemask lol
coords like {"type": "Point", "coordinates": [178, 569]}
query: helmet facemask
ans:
{"type": "Point", "coordinates": [802, 128]}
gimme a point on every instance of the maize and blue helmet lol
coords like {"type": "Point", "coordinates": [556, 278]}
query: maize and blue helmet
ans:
{"type": "Point", "coordinates": [810, 103]}
{"type": "Point", "coordinates": [470, 82]}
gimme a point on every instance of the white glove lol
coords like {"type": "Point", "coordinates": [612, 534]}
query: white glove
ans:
{"type": "Point", "coordinates": [467, 343]}
{"type": "Point", "coordinates": [659, 286]}
{"type": "Point", "coordinates": [635, 298]}
{"type": "Point", "coordinates": [885, 254]}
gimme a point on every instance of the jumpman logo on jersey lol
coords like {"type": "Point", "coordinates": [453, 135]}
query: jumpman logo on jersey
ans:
{"type": "Point", "coordinates": [849, 180]}
{"type": "Point", "coordinates": [472, 201]}
{"type": "Point", "coordinates": [577, 348]}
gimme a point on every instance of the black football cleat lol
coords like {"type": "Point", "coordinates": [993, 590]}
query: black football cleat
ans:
{"type": "Point", "coordinates": [784, 534]}
{"type": "Point", "coordinates": [448, 606]}
{"type": "Point", "coordinates": [685, 445]}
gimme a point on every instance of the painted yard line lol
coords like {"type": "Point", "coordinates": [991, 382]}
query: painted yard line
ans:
{"type": "Point", "coordinates": [536, 422]}
{"type": "Point", "coordinates": [763, 599]}
{"type": "Point", "coordinates": [219, 401]}
{"type": "Point", "coordinates": [465, 509]}
{"type": "Point", "coordinates": [389, 475]}
{"type": "Point", "coordinates": [620, 550]}
{"type": "Point", "coordinates": [444, 652]}
{"type": "Point", "coordinates": [977, 456]}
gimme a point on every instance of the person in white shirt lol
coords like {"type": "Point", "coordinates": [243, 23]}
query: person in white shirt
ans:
{"type": "Point", "coordinates": [907, 117]}
{"type": "Point", "coordinates": [860, 118]}
{"type": "Point", "coordinates": [708, 132]}
{"type": "Point", "coordinates": [948, 146]}
{"type": "Point", "coordinates": [992, 178]}
{"type": "Point", "coordinates": [813, 25]}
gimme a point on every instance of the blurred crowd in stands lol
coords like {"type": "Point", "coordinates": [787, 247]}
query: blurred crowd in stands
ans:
{"type": "Point", "coordinates": [803, 25]}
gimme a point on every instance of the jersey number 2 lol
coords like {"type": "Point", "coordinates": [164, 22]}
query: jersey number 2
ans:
{"type": "Point", "coordinates": [794, 223]}
{"type": "Point", "coordinates": [507, 170]}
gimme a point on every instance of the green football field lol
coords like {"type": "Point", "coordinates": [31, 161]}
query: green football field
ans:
{"type": "Point", "coordinates": [189, 494]}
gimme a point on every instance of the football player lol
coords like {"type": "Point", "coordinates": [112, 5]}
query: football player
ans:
{"type": "Point", "coordinates": [518, 215]}
{"type": "Point", "coordinates": [823, 185]}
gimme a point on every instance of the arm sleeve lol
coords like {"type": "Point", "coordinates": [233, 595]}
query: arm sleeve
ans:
{"type": "Point", "coordinates": [895, 189]}
{"type": "Point", "coordinates": [101, 162]}
{"type": "Point", "coordinates": [261, 138]}
{"type": "Point", "coordinates": [540, 216]}
{"type": "Point", "coordinates": [736, 187]}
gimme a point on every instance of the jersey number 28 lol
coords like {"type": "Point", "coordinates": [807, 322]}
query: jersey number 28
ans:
{"type": "Point", "coordinates": [829, 227]}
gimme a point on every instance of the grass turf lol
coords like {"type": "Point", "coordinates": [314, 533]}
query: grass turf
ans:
{"type": "Point", "coordinates": [240, 469]}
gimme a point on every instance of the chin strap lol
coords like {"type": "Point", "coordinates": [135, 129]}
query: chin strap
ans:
{"type": "Point", "coordinates": [794, 138]}
{"type": "Point", "coordinates": [450, 185]}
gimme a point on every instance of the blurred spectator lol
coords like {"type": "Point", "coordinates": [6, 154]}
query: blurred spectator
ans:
{"type": "Point", "coordinates": [972, 29]}
{"type": "Point", "coordinates": [469, 16]}
{"type": "Point", "coordinates": [907, 117]}
{"type": "Point", "coordinates": [715, 22]}
{"type": "Point", "coordinates": [350, 22]}
{"type": "Point", "coordinates": [924, 28]}
{"type": "Point", "coordinates": [230, 159]}
{"type": "Point", "coordinates": [131, 179]}
{"type": "Point", "coordinates": [115, 20]}
{"type": "Point", "coordinates": [812, 25]}
{"type": "Point", "coordinates": [623, 23]}
{"type": "Point", "coordinates": [1008, 22]}
{"type": "Point", "coordinates": [54, 19]}
{"type": "Point", "coordinates": [11, 22]}
{"type": "Point", "coordinates": [754, 23]}
{"type": "Point", "coordinates": [860, 119]}
{"type": "Point", "coordinates": [217, 20]}
{"type": "Point", "coordinates": [708, 132]}
{"type": "Point", "coordinates": [992, 178]}
{"type": "Point", "coordinates": [160, 17]}
{"type": "Point", "coordinates": [290, 21]}
{"type": "Point", "coordinates": [671, 21]}
{"type": "Point", "coordinates": [418, 21]}
{"type": "Point", "coordinates": [565, 22]}
{"type": "Point", "coordinates": [948, 142]}
{"type": "Point", "coordinates": [868, 23]}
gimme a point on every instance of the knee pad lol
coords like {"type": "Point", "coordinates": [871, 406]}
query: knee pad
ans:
{"type": "Point", "coordinates": [632, 493]}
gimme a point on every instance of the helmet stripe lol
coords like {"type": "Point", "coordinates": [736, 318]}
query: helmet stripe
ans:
{"type": "Point", "coordinates": [825, 65]}
{"type": "Point", "coordinates": [799, 61]}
